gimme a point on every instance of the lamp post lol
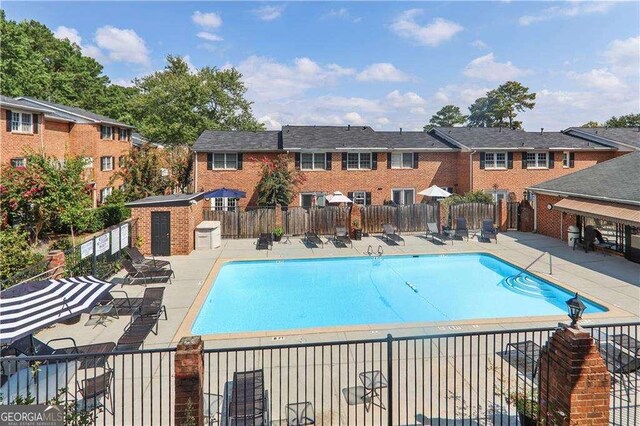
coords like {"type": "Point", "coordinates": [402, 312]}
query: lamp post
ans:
{"type": "Point", "coordinates": [576, 309]}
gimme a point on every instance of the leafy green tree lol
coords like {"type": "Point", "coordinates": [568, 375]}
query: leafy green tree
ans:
{"type": "Point", "coordinates": [47, 192]}
{"type": "Point", "coordinates": [176, 105]}
{"type": "Point", "coordinates": [278, 181]}
{"type": "Point", "coordinates": [481, 113]}
{"type": "Point", "coordinates": [591, 124]}
{"type": "Point", "coordinates": [180, 161]}
{"type": "Point", "coordinates": [448, 116]}
{"type": "Point", "coordinates": [35, 63]}
{"type": "Point", "coordinates": [142, 173]}
{"type": "Point", "coordinates": [629, 120]}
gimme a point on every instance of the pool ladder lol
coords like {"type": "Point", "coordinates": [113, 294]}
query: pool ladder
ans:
{"type": "Point", "coordinates": [375, 255]}
{"type": "Point", "coordinates": [531, 264]}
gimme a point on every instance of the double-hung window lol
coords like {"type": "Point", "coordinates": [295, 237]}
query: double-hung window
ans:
{"type": "Point", "coordinates": [106, 132]}
{"type": "Point", "coordinates": [495, 160]}
{"type": "Point", "coordinates": [403, 196]}
{"type": "Point", "coordinates": [19, 162]}
{"type": "Point", "coordinates": [537, 160]}
{"type": "Point", "coordinates": [123, 134]}
{"type": "Point", "coordinates": [358, 161]}
{"type": "Point", "coordinates": [21, 122]}
{"type": "Point", "coordinates": [225, 161]}
{"type": "Point", "coordinates": [224, 204]}
{"type": "Point", "coordinates": [88, 162]}
{"type": "Point", "coordinates": [121, 161]}
{"type": "Point", "coordinates": [104, 193]}
{"type": "Point", "coordinates": [360, 197]}
{"type": "Point", "coordinates": [106, 163]}
{"type": "Point", "coordinates": [312, 161]}
{"type": "Point", "coordinates": [402, 160]}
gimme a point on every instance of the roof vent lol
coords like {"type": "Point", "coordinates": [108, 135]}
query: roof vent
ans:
{"type": "Point", "coordinates": [541, 130]}
{"type": "Point", "coordinates": [348, 126]}
{"type": "Point", "coordinates": [400, 130]}
{"type": "Point", "coordinates": [522, 144]}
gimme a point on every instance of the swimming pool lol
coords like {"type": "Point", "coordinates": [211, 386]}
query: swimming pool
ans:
{"type": "Point", "coordinates": [250, 296]}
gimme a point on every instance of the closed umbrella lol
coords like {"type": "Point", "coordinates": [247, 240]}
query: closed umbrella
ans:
{"type": "Point", "coordinates": [434, 191]}
{"type": "Point", "coordinates": [31, 306]}
{"type": "Point", "coordinates": [338, 197]}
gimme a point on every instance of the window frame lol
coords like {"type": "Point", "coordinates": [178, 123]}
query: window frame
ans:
{"type": "Point", "coordinates": [122, 131]}
{"type": "Point", "coordinates": [111, 161]}
{"type": "Point", "coordinates": [359, 195]}
{"type": "Point", "coordinates": [493, 163]}
{"type": "Point", "coordinates": [401, 164]}
{"type": "Point", "coordinates": [224, 204]}
{"type": "Point", "coordinates": [17, 125]}
{"type": "Point", "coordinates": [360, 161]}
{"type": "Point", "coordinates": [22, 160]}
{"type": "Point", "coordinates": [536, 161]}
{"type": "Point", "coordinates": [121, 161]}
{"type": "Point", "coordinates": [314, 199]}
{"type": "Point", "coordinates": [88, 162]}
{"type": "Point", "coordinates": [403, 191]}
{"type": "Point", "coordinates": [313, 161]}
{"type": "Point", "coordinates": [225, 161]}
{"type": "Point", "coordinates": [103, 197]}
{"type": "Point", "coordinates": [102, 132]}
{"type": "Point", "coordinates": [566, 159]}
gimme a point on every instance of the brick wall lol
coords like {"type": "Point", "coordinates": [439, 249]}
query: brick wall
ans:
{"type": "Point", "coordinates": [184, 220]}
{"type": "Point", "coordinates": [433, 169]}
{"type": "Point", "coordinates": [17, 145]}
{"type": "Point", "coordinates": [517, 179]}
{"type": "Point", "coordinates": [552, 223]}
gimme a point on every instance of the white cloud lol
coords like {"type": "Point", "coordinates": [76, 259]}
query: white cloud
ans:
{"type": "Point", "coordinates": [94, 52]}
{"type": "Point", "coordinates": [569, 10]}
{"type": "Point", "coordinates": [268, 80]}
{"type": "Point", "coordinates": [122, 82]}
{"type": "Point", "coordinates": [354, 118]}
{"type": "Point", "coordinates": [486, 68]}
{"type": "Point", "coordinates": [382, 121]}
{"type": "Point", "coordinates": [436, 32]}
{"type": "Point", "coordinates": [383, 71]}
{"type": "Point", "coordinates": [205, 35]}
{"type": "Point", "coordinates": [187, 60]}
{"type": "Point", "coordinates": [406, 100]}
{"type": "Point", "coordinates": [268, 13]}
{"type": "Point", "coordinates": [624, 56]}
{"type": "Point", "coordinates": [337, 13]}
{"type": "Point", "coordinates": [206, 20]}
{"type": "Point", "coordinates": [600, 79]}
{"type": "Point", "coordinates": [270, 122]}
{"type": "Point", "coordinates": [70, 34]}
{"type": "Point", "coordinates": [456, 94]}
{"type": "Point", "coordinates": [120, 45]}
{"type": "Point", "coordinates": [348, 103]}
{"type": "Point", "coordinates": [479, 44]}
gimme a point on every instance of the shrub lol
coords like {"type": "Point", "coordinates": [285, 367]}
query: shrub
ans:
{"type": "Point", "coordinates": [15, 252]}
{"type": "Point", "coordinates": [63, 244]}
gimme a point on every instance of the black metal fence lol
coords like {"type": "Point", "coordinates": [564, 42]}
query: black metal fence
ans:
{"type": "Point", "coordinates": [450, 378]}
{"type": "Point", "coordinates": [98, 256]}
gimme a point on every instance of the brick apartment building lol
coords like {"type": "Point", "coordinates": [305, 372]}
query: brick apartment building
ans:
{"type": "Point", "coordinates": [33, 126]}
{"type": "Point", "coordinates": [373, 167]}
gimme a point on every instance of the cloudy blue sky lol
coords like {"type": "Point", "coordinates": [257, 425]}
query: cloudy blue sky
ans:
{"type": "Point", "coordinates": [385, 64]}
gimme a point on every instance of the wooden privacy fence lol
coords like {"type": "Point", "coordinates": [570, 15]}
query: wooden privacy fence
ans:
{"type": "Point", "coordinates": [512, 214]}
{"type": "Point", "coordinates": [473, 212]}
{"type": "Point", "coordinates": [409, 218]}
{"type": "Point", "coordinates": [244, 224]}
{"type": "Point", "coordinates": [321, 220]}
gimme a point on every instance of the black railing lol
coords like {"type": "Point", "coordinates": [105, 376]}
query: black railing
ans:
{"type": "Point", "coordinates": [450, 378]}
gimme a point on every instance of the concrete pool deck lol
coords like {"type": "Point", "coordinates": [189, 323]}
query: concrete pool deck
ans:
{"type": "Point", "coordinates": [610, 280]}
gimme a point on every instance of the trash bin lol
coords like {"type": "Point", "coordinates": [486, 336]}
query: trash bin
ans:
{"type": "Point", "coordinates": [573, 234]}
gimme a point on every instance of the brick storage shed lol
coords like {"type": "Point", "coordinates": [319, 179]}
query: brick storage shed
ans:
{"type": "Point", "coordinates": [166, 223]}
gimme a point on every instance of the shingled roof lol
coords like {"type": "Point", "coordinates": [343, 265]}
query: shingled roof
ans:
{"type": "Point", "coordinates": [615, 180]}
{"type": "Point", "coordinates": [237, 140]}
{"type": "Point", "coordinates": [519, 140]}
{"type": "Point", "coordinates": [72, 113]}
{"type": "Point", "coordinates": [628, 137]}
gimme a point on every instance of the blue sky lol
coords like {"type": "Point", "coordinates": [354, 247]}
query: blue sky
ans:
{"type": "Point", "coordinates": [385, 64]}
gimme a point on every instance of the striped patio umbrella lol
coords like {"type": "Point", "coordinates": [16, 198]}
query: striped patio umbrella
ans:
{"type": "Point", "coordinates": [28, 307]}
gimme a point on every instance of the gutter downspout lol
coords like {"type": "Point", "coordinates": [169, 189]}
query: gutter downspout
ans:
{"type": "Point", "coordinates": [471, 170]}
{"type": "Point", "coordinates": [195, 171]}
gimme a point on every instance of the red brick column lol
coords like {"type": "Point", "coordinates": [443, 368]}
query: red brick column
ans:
{"type": "Point", "coordinates": [189, 368]}
{"type": "Point", "coordinates": [574, 381]}
{"type": "Point", "coordinates": [56, 260]}
{"type": "Point", "coordinates": [501, 219]}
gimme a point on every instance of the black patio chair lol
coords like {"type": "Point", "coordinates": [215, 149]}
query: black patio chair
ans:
{"type": "Point", "coordinates": [124, 305]}
{"type": "Point", "coordinates": [621, 362]}
{"type": "Point", "coordinates": [587, 240]}
{"type": "Point", "coordinates": [151, 305]}
{"type": "Point", "coordinates": [311, 238]}
{"type": "Point", "coordinates": [461, 228]}
{"type": "Point", "coordinates": [144, 275]}
{"type": "Point", "coordinates": [136, 332]}
{"type": "Point", "coordinates": [433, 231]}
{"type": "Point", "coordinates": [341, 236]}
{"type": "Point", "coordinates": [265, 242]}
{"type": "Point", "coordinates": [138, 259]}
{"type": "Point", "coordinates": [390, 234]}
{"type": "Point", "coordinates": [248, 404]}
{"type": "Point", "coordinates": [488, 230]}
{"type": "Point", "coordinates": [95, 391]}
{"type": "Point", "coordinates": [527, 357]}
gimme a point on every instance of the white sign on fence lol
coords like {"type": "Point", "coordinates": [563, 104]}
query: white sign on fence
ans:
{"type": "Point", "coordinates": [102, 243]}
{"type": "Point", "coordinates": [115, 240]}
{"type": "Point", "coordinates": [124, 235]}
{"type": "Point", "coordinates": [86, 249]}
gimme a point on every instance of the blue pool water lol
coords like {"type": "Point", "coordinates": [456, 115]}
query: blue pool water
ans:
{"type": "Point", "coordinates": [293, 294]}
